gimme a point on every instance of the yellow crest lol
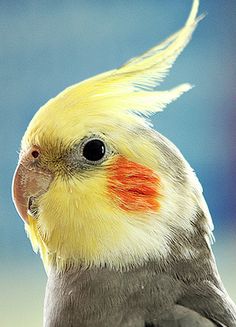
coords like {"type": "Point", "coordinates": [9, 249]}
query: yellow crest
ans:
{"type": "Point", "coordinates": [130, 86]}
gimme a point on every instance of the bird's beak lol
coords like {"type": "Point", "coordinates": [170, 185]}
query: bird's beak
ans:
{"type": "Point", "coordinates": [29, 182]}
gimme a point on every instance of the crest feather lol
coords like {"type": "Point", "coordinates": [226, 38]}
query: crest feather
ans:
{"type": "Point", "coordinates": [131, 86]}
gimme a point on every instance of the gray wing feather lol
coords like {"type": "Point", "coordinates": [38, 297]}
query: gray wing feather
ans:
{"type": "Point", "coordinates": [184, 317]}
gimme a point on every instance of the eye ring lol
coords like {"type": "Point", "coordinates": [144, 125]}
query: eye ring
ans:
{"type": "Point", "coordinates": [94, 150]}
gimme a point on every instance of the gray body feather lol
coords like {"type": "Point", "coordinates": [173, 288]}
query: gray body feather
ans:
{"type": "Point", "coordinates": [155, 294]}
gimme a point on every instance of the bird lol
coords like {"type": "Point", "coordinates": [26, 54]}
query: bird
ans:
{"type": "Point", "coordinates": [115, 210]}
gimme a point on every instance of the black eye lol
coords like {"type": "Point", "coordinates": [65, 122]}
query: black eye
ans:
{"type": "Point", "coordinates": [94, 150]}
{"type": "Point", "coordinates": [35, 154]}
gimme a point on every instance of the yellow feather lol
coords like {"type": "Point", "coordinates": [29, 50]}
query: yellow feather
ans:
{"type": "Point", "coordinates": [144, 72]}
{"type": "Point", "coordinates": [129, 87]}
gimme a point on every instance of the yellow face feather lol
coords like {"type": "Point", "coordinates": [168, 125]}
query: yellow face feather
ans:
{"type": "Point", "coordinates": [79, 221]}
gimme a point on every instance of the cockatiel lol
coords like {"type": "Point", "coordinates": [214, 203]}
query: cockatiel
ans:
{"type": "Point", "coordinates": [115, 210]}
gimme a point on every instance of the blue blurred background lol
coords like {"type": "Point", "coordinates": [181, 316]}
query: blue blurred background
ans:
{"type": "Point", "coordinates": [46, 46]}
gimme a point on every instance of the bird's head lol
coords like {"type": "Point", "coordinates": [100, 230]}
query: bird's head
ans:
{"type": "Point", "coordinates": [95, 184]}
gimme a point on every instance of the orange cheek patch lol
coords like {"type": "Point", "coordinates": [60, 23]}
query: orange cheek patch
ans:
{"type": "Point", "coordinates": [133, 186]}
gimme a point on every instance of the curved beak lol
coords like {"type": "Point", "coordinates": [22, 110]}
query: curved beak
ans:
{"type": "Point", "coordinates": [29, 182]}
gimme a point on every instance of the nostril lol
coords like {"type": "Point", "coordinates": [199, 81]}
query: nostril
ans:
{"type": "Point", "coordinates": [35, 154]}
